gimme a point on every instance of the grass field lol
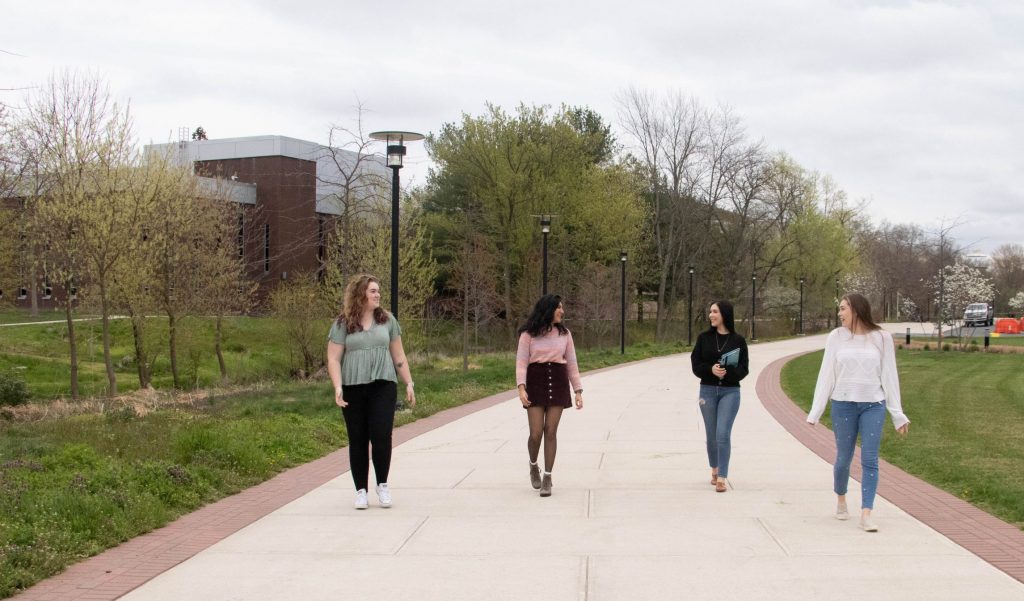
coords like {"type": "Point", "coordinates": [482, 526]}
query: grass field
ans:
{"type": "Point", "coordinates": [967, 413]}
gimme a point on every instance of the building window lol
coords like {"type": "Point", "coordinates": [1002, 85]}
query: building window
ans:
{"type": "Point", "coordinates": [47, 290]}
{"type": "Point", "coordinates": [266, 248]}
{"type": "Point", "coordinates": [241, 234]}
{"type": "Point", "coordinates": [22, 293]}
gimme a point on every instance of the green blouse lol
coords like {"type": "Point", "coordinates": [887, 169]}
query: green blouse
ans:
{"type": "Point", "coordinates": [367, 357]}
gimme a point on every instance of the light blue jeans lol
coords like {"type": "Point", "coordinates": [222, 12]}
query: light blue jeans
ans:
{"type": "Point", "coordinates": [719, 406]}
{"type": "Point", "coordinates": [849, 419]}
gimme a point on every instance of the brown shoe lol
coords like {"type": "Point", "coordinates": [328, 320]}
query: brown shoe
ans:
{"type": "Point", "coordinates": [720, 485]}
{"type": "Point", "coordinates": [714, 478]}
{"type": "Point", "coordinates": [535, 476]}
{"type": "Point", "coordinates": [545, 486]}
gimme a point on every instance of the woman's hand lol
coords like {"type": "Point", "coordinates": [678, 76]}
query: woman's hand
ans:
{"type": "Point", "coordinates": [903, 429]}
{"type": "Point", "coordinates": [523, 397]}
{"type": "Point", "coordinates": [579, 401]}
{"type": "Point", "coordinates": [718, 370]}
{"type": "Point", "coordinates": [410, 394]}
{"type": "Point", "coordinates": [338, 400]}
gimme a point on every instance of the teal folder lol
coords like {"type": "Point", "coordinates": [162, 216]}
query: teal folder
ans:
{"type": "Point", "coordinates": [730, 358]}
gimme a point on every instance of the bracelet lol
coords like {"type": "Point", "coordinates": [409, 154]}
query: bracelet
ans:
{"type": "Point", "coordinates": [410, 383]}
{"type": "Point", "coordinates": [580, 391]}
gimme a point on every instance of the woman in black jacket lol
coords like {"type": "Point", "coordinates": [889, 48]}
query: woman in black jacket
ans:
{"type": "Point", "coordinates": [719, 359]}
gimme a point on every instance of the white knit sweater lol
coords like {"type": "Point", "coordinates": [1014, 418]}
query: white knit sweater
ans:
{"type": "Point", "coordinates": [861, 369]}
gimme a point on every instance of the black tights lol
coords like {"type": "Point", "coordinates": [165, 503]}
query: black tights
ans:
{"type": "Point", "coordinates": [543, 424]}
{"type": "Point", "coordinates": [369, 418]}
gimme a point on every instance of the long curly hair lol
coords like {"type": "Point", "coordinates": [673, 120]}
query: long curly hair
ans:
{"type": "Point", "coordinates": [540, 320]}
{"type": "Point", "coordinates": [355, 304]}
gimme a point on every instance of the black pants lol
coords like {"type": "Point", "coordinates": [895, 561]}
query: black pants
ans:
{"type": "Point", "coordinates": [370, 418]}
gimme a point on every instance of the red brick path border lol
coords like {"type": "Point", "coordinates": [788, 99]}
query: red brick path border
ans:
{"type": "Point", "coordinates": [997, 542]}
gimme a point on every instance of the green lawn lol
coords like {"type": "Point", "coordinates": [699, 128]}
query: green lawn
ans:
{"type": "Point", "coordinates": [977, 340]}
{"type": "Point", "coordinates": [255, 349]}
{"type": "Point", "coordinates": [967, 413]}
{"type": "Point", "coordinates": [72, 487]}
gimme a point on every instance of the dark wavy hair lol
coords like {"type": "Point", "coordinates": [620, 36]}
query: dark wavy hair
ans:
{"type": "Point", "coordinates": [728, 318]}
{"type": "Point", "coordinates": [540, 320]}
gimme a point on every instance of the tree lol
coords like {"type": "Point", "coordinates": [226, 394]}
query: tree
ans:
{"type": "Point", "coordinates": [11, 225]}
{"type": "Point", "coordinates": [506, 170]}
{"type": "Point", "coordinates": [961, 285]}
{"type": "Point", "coordinates": [356, 186]}
{"type": "Point", "coordinates": [297, 304]}
{"type": "Point", "coordinates": [1017, 302]}
{"type": "Point", "coordinates": [79, 141]}
{"type": "Point", "coordinates": [1007, 272]}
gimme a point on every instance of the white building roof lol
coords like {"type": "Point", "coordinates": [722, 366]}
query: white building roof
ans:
{"type": "Point", "coordinates": [327, 171]}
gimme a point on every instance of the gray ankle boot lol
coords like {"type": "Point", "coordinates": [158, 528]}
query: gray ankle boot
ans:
{"type": "Point", "coordinates": [535, 476]}
{"type": "Point", "coordinates": [545, 486]}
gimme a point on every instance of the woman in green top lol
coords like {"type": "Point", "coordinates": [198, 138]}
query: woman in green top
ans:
{"type": "Point", "coordinates": [364, 358]}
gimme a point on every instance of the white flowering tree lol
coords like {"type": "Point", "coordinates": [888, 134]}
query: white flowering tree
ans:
{"type": "Point", "coordinates": [957, 286]}
{"type": "Point", "coordinates": [1017, 302]}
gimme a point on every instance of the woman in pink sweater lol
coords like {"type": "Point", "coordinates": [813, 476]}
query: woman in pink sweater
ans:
{"type": "Point", "coordinates": [545, 368]}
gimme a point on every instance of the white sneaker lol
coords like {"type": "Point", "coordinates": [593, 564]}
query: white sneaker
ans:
{"type": "Point", "coordinates": [868, 525]}
{"type": "Point", "coordinates": [384, 495]}
{"type": "Point", "coordinates": [842, 513]}
{"type": "Point", "coordinates": [361, 502]}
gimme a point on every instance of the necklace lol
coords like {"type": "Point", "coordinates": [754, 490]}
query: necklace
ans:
{"type": "Point", "coordinates": [718, 346]}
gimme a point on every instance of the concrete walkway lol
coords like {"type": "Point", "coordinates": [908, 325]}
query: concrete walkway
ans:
{"type": "Point", "coordinates": [632, 517]}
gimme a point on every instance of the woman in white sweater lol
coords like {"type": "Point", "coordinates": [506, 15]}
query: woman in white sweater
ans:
{"type": "Point", "coordinates": [858, 373]}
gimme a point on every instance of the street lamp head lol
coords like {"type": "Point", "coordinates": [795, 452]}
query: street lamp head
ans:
{"type": "Point", "coordinates": [691, 269]}
{"type": "Point", "coordinates": [545, 224]}
{"type": "Point", "coordinates": [396, 144]}
{"type": "Point", "coordinates": [622, 256]}
{"type": "Point", "coordinates": [801, 281]}
{"type": "Point", "coordinates": [753, 277]}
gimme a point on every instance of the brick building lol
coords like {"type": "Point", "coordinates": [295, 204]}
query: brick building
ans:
{"type": "Point", "coordinates": [288, 193]}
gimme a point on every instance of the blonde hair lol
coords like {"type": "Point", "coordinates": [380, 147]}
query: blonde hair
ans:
{"type": "Point", "coordinates": [355, 304]}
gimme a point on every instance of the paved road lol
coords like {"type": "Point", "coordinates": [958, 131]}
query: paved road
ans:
{"type": "Point", "coordinates": [632, 517]}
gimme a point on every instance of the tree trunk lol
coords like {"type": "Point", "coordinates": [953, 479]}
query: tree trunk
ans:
{"type": "Point", "coordinates": [141, 360]}
{"type": "Point", "coordinates": [510, 319]}
{"type": "Point", "coordinates": [72, 347]}
{"type": "Point", "coordinates": [659, 328]}
{"type": "Point", "coordinates": [34, 298]}
{"type": "Point", "coordinates": [218, 334]}
{"type": "Point", "coordinates": [108, 361]}
{"type": "Point", "coordinates": [172, 332]}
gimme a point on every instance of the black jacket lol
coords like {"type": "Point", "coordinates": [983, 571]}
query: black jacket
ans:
{"type": "Point", "coordinates": [706, 353]}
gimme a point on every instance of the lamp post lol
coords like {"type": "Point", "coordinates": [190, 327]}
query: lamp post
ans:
{"type": "Point", "coordinates": [801, 306]}
{"type": "Point", "coordinates": [545, 229]}
{"type": "Point", "coordinates": [689, 312]}
{"type": "Point", "coordinates": [395, 141]}
{"type": "Point", "coordinates": [622, 322]}
{"type": "Point", "coordinates": [753, 307]}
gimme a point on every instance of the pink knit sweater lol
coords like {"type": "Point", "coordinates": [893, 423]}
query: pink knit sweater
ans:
{"type": "Point", "coordinates": [549, 348]}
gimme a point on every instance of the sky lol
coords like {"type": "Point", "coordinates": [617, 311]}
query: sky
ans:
{"type": "Point", "coordinates": [916, 108]}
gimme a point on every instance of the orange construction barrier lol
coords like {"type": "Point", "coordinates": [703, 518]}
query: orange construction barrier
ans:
{"type": "Point", "coordinates": [1007, 326]}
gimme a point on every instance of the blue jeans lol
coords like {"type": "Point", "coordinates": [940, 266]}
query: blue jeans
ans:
{"type": "Point", "coordinates": [719, 406]}
{"type": "Point", "coordinates": [849, 419]}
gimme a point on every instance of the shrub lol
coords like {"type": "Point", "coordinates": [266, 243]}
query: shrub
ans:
{"type": "Point", "coordinates": [927, 347]}
{"type": "Point", "coordinates": [12, 391]}
{"type": "Point", "coordinates": [946, 346]}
